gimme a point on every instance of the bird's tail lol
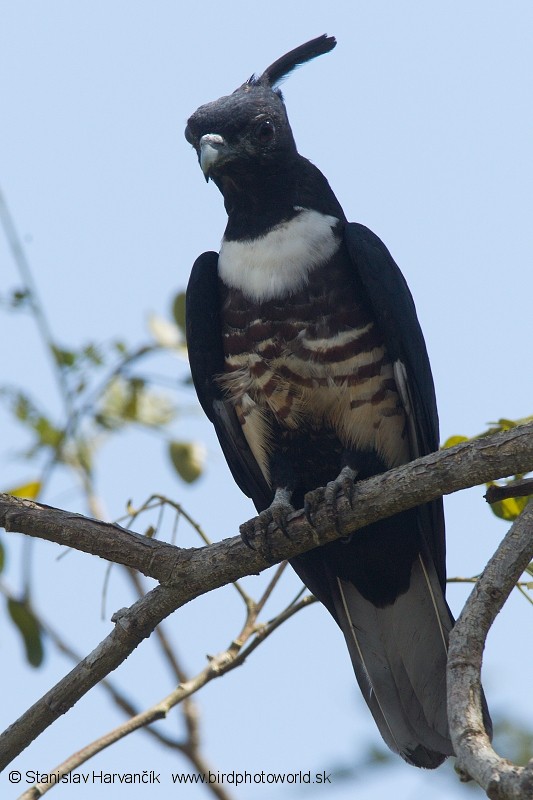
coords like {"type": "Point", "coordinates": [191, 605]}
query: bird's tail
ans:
{"type": "Point", "coordinates": [399, 656]}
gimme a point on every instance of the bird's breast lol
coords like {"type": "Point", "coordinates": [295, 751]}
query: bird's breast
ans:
{"type": "Point", "coordinates": [316, 361]}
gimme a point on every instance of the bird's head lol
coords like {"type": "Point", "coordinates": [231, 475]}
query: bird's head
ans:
{"type": "Point", "coordinates": [247, 133]}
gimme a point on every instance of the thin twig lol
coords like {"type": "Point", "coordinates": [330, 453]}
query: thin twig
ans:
{"type": "Point", "coordinates": [522, 488]}
{"type": "Point", "coordinates": [22, 264]}
{"type": "Point", "coordinates": [270, 627]}
{"type": "Point", "coordinates": [270, 588]}
{"type": "Point", "coordinates": [170, 656]}
{"type": "Point", "coordinates": [224, 662]}
{"type": "Point", "coordinates": [188, 707]}
{"type": "Point", "coordinates": [520, 587]}
{"type": "Point", "coordinates": [120, 699]}
{"type": "Point", "coordinates": [159, 500]}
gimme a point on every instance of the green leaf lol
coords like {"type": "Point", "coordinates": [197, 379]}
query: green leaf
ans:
{"type": "Point", "coordinates": [126, 401]}
{"type": "Point", "coordinates": [29, 491]}
{"type": "Point", "coordinates": [93, 354]}
{"type": "Point", "coordinates": [506, 424]}
{"type": "Point", "coordinates": [65, 358]}
{"type": "Point", "coordinates": [188, 459]}
{"type": "Point", "coordinates": [25, 410]}
{"type": "Point", "coordinates": [29, 629]}
{"type": "Point", "coordinates": [134, 390]}
{"type": "Point", "coordinates": [20, 298]}
{"type": "Point", "coordinates": [178, 311]}
{"type": "Point", "coordinates": [48, 434]}
{"type": "Point", "coordinates": [22, 407]}
{"type": "Point", "coordinates": [510, 508]}
{"type": "Point", "coordinates": [453, 440]}
{"type": "Point", "coordinates": [2, 557]}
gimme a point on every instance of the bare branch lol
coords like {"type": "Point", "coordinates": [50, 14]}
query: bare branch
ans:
{"type": "Point", "coordinates": [163, 501]}
{"type": "Point", "coordinates": [131, 627]}
{"type": "Point", "coordinates": [475, 756]}
{"type": "Point", "coordinates": [109, 541]}
{"type": "Point", "coordinates": [188, 573]}
{"type": "Point", "coordinates": [208, 568]}
{"type": "Point", "coordinates": [521, 488]}
{"type": "Point", "coordinates": [190, 748]}
{"type": "Point", "coordinates": [232, 657]}
{"type": "Point", "coordinates": [43, 325]}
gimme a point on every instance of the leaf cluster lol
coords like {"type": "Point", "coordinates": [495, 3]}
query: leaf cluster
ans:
{"type": "Point", "coordinates": [104, 387]}
{"type": "Point", "coordinates": [508, 508]}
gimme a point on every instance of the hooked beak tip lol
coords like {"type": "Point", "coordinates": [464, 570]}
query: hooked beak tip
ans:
{"type": "Point", "coordinates": [211, 146]}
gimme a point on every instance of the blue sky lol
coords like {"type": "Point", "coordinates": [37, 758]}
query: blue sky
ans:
{"type": "Point", "coordinates": [421, 119]}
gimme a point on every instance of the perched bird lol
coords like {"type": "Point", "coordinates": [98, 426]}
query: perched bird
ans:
{"type": "Point", "coordinates": [308, 358]}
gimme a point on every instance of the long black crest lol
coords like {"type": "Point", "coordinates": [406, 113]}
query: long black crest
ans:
{"type": "Point", "coordinates": [300, 55]}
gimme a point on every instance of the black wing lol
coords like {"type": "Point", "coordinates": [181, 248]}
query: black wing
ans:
{"type": "Point", "coordinates": [206, 358]}
{"type": "Point", "coordinates": [392, 303]}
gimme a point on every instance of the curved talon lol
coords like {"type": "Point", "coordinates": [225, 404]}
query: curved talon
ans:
{"type": "Point", "coordinates": [260, 525]}
{"type": "Point", "coordinates": [308, 511]}
{"type": "Point", "coordinates": [263, 521]}
{"type": "Point", "coordinates": [330, 499]}
{"type": "Point", "coordinates": [255, 533]}
{"type": "Point", "coordinates": [346, 487]}
{"type": "Point", "coordinates": [344, 483]}
{"type": "Point", "coordinates": [348, 491]}
{"type": "Point", "coordinates": [347, 480]}
{"type": "Point", "coordinates": [247, 532]}
{"type": "Point", "coordinates": [278, 515]}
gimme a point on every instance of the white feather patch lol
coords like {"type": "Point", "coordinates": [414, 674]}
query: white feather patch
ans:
{"type": "Point", "coordinates": [278, 263]}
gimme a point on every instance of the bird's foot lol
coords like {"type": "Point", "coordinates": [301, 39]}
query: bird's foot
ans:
{"type": "Point", "coordinates": [277, 512]}
{"type": "Point", "coordinates": [344, 483]}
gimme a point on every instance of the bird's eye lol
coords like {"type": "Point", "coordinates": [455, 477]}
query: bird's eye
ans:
{"type": "Point", "coordinates": [264, 131]}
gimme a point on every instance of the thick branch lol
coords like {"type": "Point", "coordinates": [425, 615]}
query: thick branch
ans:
{"type": "Point", "coordinates": [131, 627]}
{"type": "Point", "coordinates": [199, 570]}
{"type": "Point", "coordinates": [107, 540]}
{"type": "Point", "coordinates": [475, 755]}
{"type": "Point", "coordinates": [250, 637]}
{"type": "Point", "coordinates": [190, 573]}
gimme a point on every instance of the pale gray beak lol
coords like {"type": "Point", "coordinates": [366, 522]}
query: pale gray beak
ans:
{"type": "Point", "coordinates": [211, 146]}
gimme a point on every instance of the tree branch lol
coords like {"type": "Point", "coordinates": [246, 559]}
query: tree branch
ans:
{"type": "Point", "coordinates": [521, 488]}
{"type": "Point", "coordinates": [250, 637]}
{"type": "Point", "coordinates": [475, 755]}
{"type": "Point", "coordinates": [188, 573]}
{"type": "Point", "coordinates": [131, 627]}
{"type": "Point", "coordinates": [199, 570]}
